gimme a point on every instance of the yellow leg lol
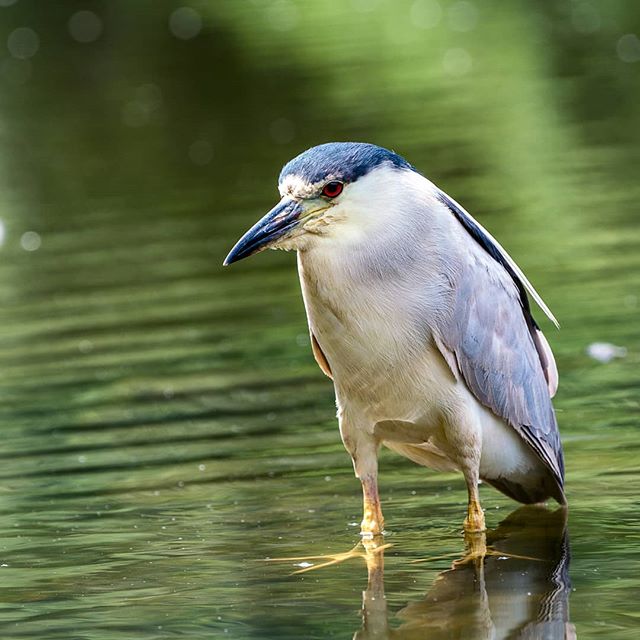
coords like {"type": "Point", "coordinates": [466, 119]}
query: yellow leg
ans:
{"type": "Point", "coordinates": [372, 520]}
{"type": "Point", "coordinates": [474, 522]}
{"type": "Point", "coordinates": [476, 549]}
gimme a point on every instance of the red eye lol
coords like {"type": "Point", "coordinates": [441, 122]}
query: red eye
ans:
{"type": "Point", "coordinates": [332, 189]}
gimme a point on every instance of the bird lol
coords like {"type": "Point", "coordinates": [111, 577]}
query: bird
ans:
{"type": "Point", "coordinates": [422, 321]}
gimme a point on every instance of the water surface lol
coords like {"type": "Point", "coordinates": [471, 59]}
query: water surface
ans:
{"type": "Point", "coordinates": [165, 428]}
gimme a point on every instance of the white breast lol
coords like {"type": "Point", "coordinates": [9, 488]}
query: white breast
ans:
{"type": "Point", "coordinates": [369, 298]}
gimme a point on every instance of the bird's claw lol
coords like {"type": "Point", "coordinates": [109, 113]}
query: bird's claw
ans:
{"type": "Point", "coordinates": [366, 548]}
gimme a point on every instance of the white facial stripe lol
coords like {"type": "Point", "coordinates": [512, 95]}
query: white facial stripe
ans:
{"type": "Point", "coordinates": [295, 187]}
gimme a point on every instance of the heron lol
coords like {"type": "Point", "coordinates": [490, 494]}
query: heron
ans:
{"type": "Point", "coordinates": [423, 322]}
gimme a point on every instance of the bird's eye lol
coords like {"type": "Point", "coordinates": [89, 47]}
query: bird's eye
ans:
{"type": "Point", "coordinates": [332, 189]}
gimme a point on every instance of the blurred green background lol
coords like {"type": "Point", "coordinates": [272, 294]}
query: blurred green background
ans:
{"type": "Point", "coordinates": [164, 425]}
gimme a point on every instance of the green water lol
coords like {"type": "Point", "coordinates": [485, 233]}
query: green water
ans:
{"type": "Point", "coordinates": [164, 426]}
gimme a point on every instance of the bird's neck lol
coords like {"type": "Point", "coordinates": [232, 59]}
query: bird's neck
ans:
{"type": "Point", "coordinates": [392, 273]}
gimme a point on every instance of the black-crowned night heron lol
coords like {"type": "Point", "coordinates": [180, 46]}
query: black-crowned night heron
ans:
{"type": "Point", "coordinates": [422, 321]}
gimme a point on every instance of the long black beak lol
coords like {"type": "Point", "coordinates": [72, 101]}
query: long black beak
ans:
{"type": "Point", "coordinates": [282, 218]}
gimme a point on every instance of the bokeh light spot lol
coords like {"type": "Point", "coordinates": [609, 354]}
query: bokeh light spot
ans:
{"type": "Point", "coordinates": [457, 62]}
{"type": "Point", "coordinates": [85, 346]}
{"type": "Point", "coordinates": [30, 241]}
{"type": "Point", "coordinates": [282, 130]}
{"type": "Point", "coordinates": [185, 23]}
{"type": "Point", "coordinates": [628, 48]}
{"type": "Point", "coordinates": [463, 16]}
{"type": "Point", "coordinates": [425, 14]}
{"type": "Point", "coordinates": [585, 17]}
{"type": "Point", "coordinates": [282, 15]}
{"type": "Point", "coordinates": [23, 43]}
{"type": "Point", "coordinates": [85, 26]}
{"type": "Point", "coordinates": [365, 6]}
{"type": "Point", "coordinates": [200, 152]}
{"type": "Point", "coordinates": [146, 107]}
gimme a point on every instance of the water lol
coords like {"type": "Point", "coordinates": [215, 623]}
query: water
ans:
{"type": "Point", "coordinates": [165, 428]}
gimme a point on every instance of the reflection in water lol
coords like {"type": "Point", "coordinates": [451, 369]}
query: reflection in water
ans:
{"type": "Point", "coordinates": [521, 594]}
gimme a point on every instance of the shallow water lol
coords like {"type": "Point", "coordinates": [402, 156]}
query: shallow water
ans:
{"type": "Point", "coordinates": [165, 428]}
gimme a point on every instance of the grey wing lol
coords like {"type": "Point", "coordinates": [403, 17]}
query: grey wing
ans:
{"type": "Point", "coordinates": [491, 340]}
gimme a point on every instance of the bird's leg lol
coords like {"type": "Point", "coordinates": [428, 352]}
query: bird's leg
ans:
{"type": "Point", "coordinates": [363, 448]}
{"type": "Point", "coordinates": [375, 619]}
{"type": "Point", "coordinates": [465, 437]}
{"type": "Point", "coordinates": [474, 522]}
{"type": "Point", "coordinates": [372, 520]}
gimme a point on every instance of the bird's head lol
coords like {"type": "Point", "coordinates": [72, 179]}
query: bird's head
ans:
{"type": "Point", "coordinates": [327, 192]}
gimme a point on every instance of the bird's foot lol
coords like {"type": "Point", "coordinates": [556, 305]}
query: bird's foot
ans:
{"type": "Point", "coordinates": [367, 549]}
{"type": "Point", "coordinates": [474, 522]}
{"type": "Point", "coordinates": [477, 551]}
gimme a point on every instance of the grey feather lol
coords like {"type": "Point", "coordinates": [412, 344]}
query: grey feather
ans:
{"type": "Point", "coordinates": [493, 341]}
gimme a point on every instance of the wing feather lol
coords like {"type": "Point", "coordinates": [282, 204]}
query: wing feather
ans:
{"type": "Point", "coordinates": [495, 248]}
{"type": "Point", "coordinates": [493, 341]}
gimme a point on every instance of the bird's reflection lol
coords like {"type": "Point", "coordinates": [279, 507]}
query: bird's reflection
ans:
{"type": "Point", "coordinates": [519, 590]}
